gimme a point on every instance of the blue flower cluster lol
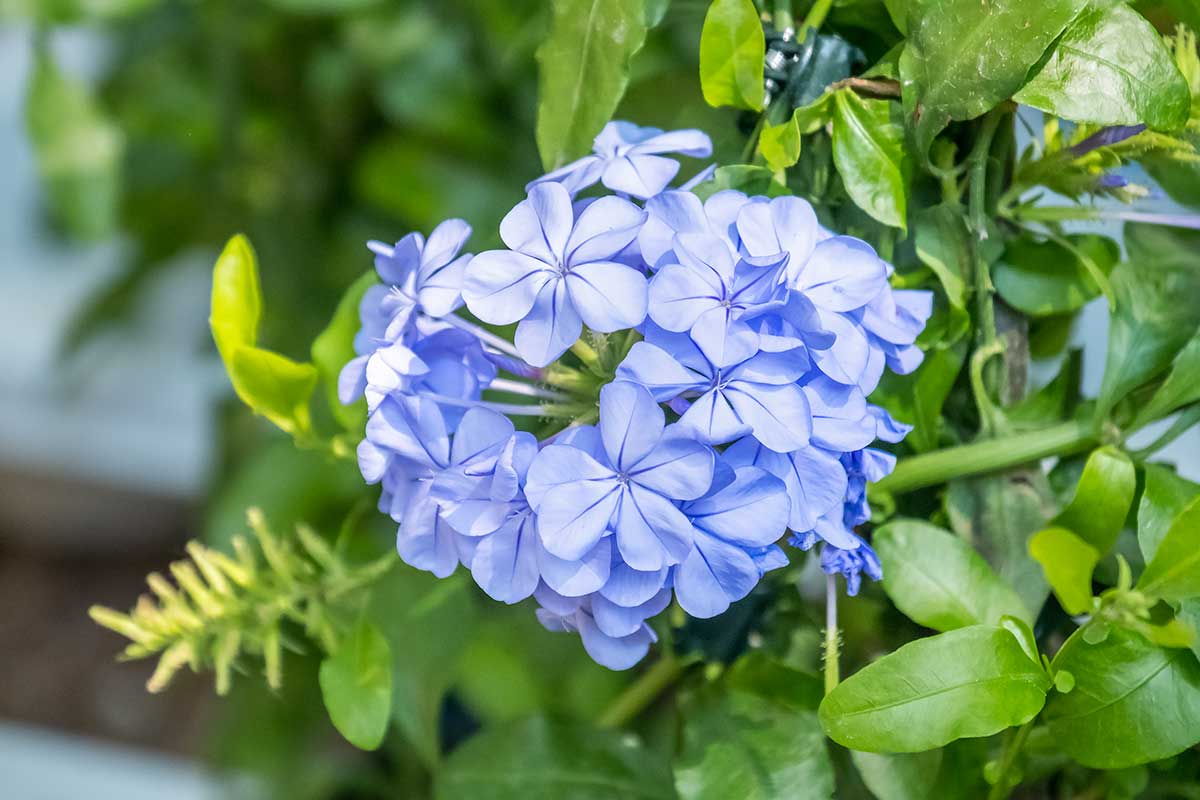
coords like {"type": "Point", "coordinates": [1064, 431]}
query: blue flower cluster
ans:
{"type": "Point", "coordinates": [739, 413]}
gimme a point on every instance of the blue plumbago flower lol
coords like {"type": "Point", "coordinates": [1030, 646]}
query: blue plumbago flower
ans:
{"type": "Point", "coordinates": [747, 336]}
{"type": "Point", "coordinates": [559, 273]}
{"type": "Point", "coordinates": [628, 159]}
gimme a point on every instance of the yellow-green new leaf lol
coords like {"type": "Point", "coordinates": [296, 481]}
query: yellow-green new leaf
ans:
{"type": "Point", "coordinates": [1068, 562]}
{"type": "Point", "coordinates": [732, 48]}
{"type": "Point", "coordinates": [236, 298]}
{"type": "Point", "coordinates": [274, 386]}
{"type": "Point", "coordinates": [1174, 572]}
{"type": "Point", "coordinates": [334, 346]}
{"type": "Point", "coordinates": [1102, 498]}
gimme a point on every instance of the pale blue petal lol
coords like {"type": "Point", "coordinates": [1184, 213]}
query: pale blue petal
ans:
{"type": "Point", "coordinates": [639, 175]}
{"type": "Point", "coordinates": [778, 415]}
{"type": "Point", "coordinates": [679, 295]}
{"type": "Point", "coordinates": [500, 286]}
{"type": "Point", "coordinates": [550, 328]}
{"type": "Point", "coordinates": [442, 247]}
{"type": "Point", "coordinates": [750, 512]}
{"type": "Point", "coordinates": [712, 419]}
{"type": "Point", "coordinates": [352, 380]}
{"type": "Point", "coordinates": [616, 620]}
{"type": "Point", "coordinates": [559, 464]}
{"type": "Point", "coordinates": [670, 213]}
{"type": "Point", "coordinates": [846, 359]}
{"type": "Point", "coordinates": [573, 516]}
{"type": "Point", "coordinates": [540, 224]}
{"type": "Point", "coordinates": [714, 575]}
{"type": "Point", "coordinates": [481, 433]}
{"type": "Point", "coordinates": [724, 341]}
{"type": "Point", "coordinates": [441, 292]}
{"type": "Point", "coordinates": [678, 467]}
{"type": "Point", "coordinates": [424, 541]}
{"type": "Point", "coordinates": [556, 603]}
{"type": "Point", "coordinates": [577, 577]}
{"type": "Point", "coordinates": [576, 176]}
{"type": "Point", "coordinates": [773, 368]}
{"type": "Point", "coordinates": [631, 423]}
{"type": "Point", "coordinates": [398, 265]}
{"type": "Point", "coordinates": [603, 229]}
{"type": "Point", "coordinates": [655, 369]}
{"type": "Point", "coordinates": [413, 427]}
{"type": "Point", "coordinates": [608, 296]}
{"type": "Point", "coordinates": [629, 587]}
{"type": "Point", "coordinates": [505, 564]}
{"type": "Point", "coordinates": [706, 253]}
{"type": "Point", "coordinates": [843, 274]}
{"type": "Point", "coordinates": [651, 531]}
{"type": "Point", "coordinates": [614, 653]}
{"type": "Point", "coordinates": [687, 142]}
{"type": "Point", "coordinates": [372, 462]}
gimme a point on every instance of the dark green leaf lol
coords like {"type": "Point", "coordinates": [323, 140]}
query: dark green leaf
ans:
{"type": "Point", "coordinates": [963, 57]}
{"type": "Point", "coordinates": [939, 581]}
{"type": "Point", "coordinates": [274, 386]}
{"type": "Point", "coordinates": [584, 69]}
{"type": "Point", "coordinates": [1174, 572]}
{"type": "Point", "coordinates": [868, 150]}
{"type": "Point", "coordinates": [1102, 498]}
{"type": "Point", "coordinates": [968, 682]}
{"type": "Point", "coordinates": [758, 673]}
{"type": "Point", "coordinates": [1133, 702]}
{"type": "Point", "coordinates": [732, 48]}
{"type": "Point", "coordinates": [997, 514]}
{"type": "Point", "coordinates": [428, 623]}
{"type": "Point", "coordinates": [741, 745]}
{"type": "Point", "coordinates": [335, 346]}
{"type": "Point", "coordinates": [1111, 68]}
{"type": "Point", "coordinates": [1046, 278]}
{"type": "Point", "coordinates": [917, 398]}
{"type": "Point", "coordinates": [1158, 308]}
{"type": "Point", "coordinates": [78, 151]}
{"type": "Point", "coordinates": [356, 683]}
{"type": "Point", "coordinates": [1068, 562]}
{"type": "Point", "coordinates": [542, 759]}
{"type": "Point", "coordinates": [1164, 495]}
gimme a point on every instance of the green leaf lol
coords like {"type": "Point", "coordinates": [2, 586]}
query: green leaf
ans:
{"type": "Point", "coordinates": [1111, 68]}
{"type": "Point", "coordinates": [323, 6]}
{"type": "Point", "coordinates": [939, 581]}
{"type": "Point", "coordinates": [1158, 308]}
{"type": "Point", "coordinates": [1133, 702]}
{"type": "Point", "coordinates": [74, 11]}
{"type": "Point", "coordinates": [356, 683]}
{"type": "Point", "coordinates": [656, 10]}
{"type": "Point", "coordinates": [1068, 562]}
{"type": "Point", "coordinates": [942, 243]}
{"type": "Point", "coordinates": [1053, 402]}
{"type": "Point", "coordinates": [274, 386]}
{"type": "Point", "coordinates": [963, 57]}
{"type": "Point", "coordinates": [899, 776]}
{"type": "Point", "coordinates": [868, 151]}
{"type": "Point", "coordinates": [1164, 495]}
{"type": "Point", "coordinates": [780, 144]}
{"type": "Point", "coordinates": [428, 623]}
{"type": "Point", "coordinates": [334, 347]}
{"type": "Point", "coordinates": [1180, 388]}
{"type": "Point", "coordinates": [997, 514]}
{"type": "Point", "coordinates": [732, 48]}
{"type": "Point", "coordinates": [542, 759]}
{"type": "Point", "coordinates": [744, 178]}
{"type": "Point", "coordinates": [78, 151]}
{"type": "Point", "coordinates": [236, 305]}
{"type": "Point", "coordinates": [1047, 278]}
{"type": "Point", "coordinates": [917, 398]}
{"type": "Point", "coordinates": [1174, 572]}
{"type": "Point", "coordinates": [742, 745]}
{"type": "Point", "coordinates": [968, 682]}
{"type": "Point", "coordinates": [584, 69]}
{"type": "Point", "coordinates": [1096, 514]}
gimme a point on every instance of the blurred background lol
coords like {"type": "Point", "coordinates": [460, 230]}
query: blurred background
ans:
{"type": "Point", "coordinates": [136, 136]}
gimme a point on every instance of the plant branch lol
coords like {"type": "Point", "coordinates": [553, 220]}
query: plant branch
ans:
{"type": "Point", "coordinates": [989, 455]}
{"type": "Point", "coordinates": [642, 692]}
{"type": "Point", "coordinates": [817, 14]}
{"type": "Point", "coordinates": [878, 87]}
{"type": "Point", "coordinates": [1001, 788]}
{"type": "Point", "coordinates": [832, 635]}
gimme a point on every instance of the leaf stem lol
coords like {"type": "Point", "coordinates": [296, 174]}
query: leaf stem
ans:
{"type": "Point", "coordinates": [985, 312]}
{"type": "Point", "coordinates": [832, 635]}
{"type": "Point", "coordinates": [643, 691]}
{"type": "Point", "coordinates": [988, 455]}
{"type": "Point", "coordinates": [1188, 417]}
{"type": "Point", "coordinates": [1001, 789]}
{"type": "Point", "coordinates": [817, 14]}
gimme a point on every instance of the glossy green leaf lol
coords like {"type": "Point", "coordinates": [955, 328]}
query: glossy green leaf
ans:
{"type": "Point", "coordinates": [537, 758]}
{"type": "Point", "coordinates": [963, 57]}
{"type": "Point", "coordinates": [1111, 68]}
{"type": "Point", "coordinates": [1174, 572]}
{"type": "Point", "coordinates": [746, 178]}
{"type": "Point", "coordinates": [1158, 308]}
{"type": "Point", "coordinates": [1164, 495]}
{"type": "Point", "coordinates": [868, 150]}
{"type": "Point", "coordinates": [1068, 562]}
{"type": "Point", "coordinates": [78, 151]}
{"type": "Point", "coordinates": [583, 72]}
{"type": "Point", "coordinates": [738, 744]}
{"type": "Point", "coordinates": [968, 682]}
{"type": "Point", "coordinates": [1054, 402]}
{"type": "Point", "coordinates": [1133, 702]}
{"type": "Point", "coordinates": [356, 683]}
{"type": "Point", "coordinates": [1180, 388]}
{"type": "Point", "coordinates": [334, 347]}
{"type": "Point", "coordinates": [939, 581]}
{"type": "Point", "coordinates": [1102, 498]}
{"type": "Point", "coordinates": [954, 772]}
{"type": "Point", "coordinates": [274, 386]}
{"type": "Point", "coordinates": [780, 145]}
{"type": "Point", "coordinates": [236, 305]}
{"type": "Point", "coordinates": [732, 48]}
{"type": "Point", "coordinates": [1046, 278]}
{"type": "Point", "coordinates": [942, 243]}
{"type": "Point", "coordinates": [917, 398]}
{"type": "Point", "coordinates": [997, 514]}
{"type": "Point", "coordinates": [428, 623]}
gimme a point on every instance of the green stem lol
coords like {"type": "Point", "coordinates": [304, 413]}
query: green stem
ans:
{"type": "Point", "coordinates": [751, 149]}
{"type": "Point", "coordinates": [1182, 424]}
{"type": "Point", "coordinates": [781, 18]}
{"type": "Point", "coordinates": [1001, 789]}
{"type": "Point", "coordinates": [642, 692]}
{"type": "Point", "coordinates": [989, 455]}
{"type": "Point", "coordinates": [817, 14]}
{"type": "Point", "coordinates": [985, 311]}
{"type": "Point", "coordinates": [832, 640]}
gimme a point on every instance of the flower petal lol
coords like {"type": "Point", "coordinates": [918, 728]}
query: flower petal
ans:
{"type": "Point", "coordinates": [441, 291]}
{"type": "Point", "coordinates": [714, 575]}
{"type": "Point", "coordinates": [750, 512]}
{"type": "Point", "coordinates": [630, 587]}
{"type": "Point", "coordinates": [616, 653]}
{"type": "Point", "coordinates": [631, 423]}
{"type": "Point", "coordinates": [603, 229]}
{"type": "Point", "coordinates": [500, 286]}
{"type": "Point", "coordinates": [442, 247]}
{"type": "Point", "coordinates": [778, 415]}
{"type": "Point", "coordinates": [506, 564]}
{"type": "Point", "coordinates": [482, 432]}
{"type": "Point", "coordinates": [412, 427]}
{"type": "Point", "coordinates": [651, 531]}
{"type": "Point", "coordinates": [842, 274]}
{"type": "Point", "coordinates": [686, 142]}
{"type": "Point", "coordinates": [541, 223]}
{"type": "Point", "coordinates": [558, 464]}
{"type": "Point", "coordinates": [669, 213]}
{"type": "Point", "coordinates": [639, 175]}
{"type": "Point", "coordinates": [616, 620]}
{"type": "Point", "coordinates": [609, 296]}
{"type": "Point", "coordinates": [424, 541]}
{"type": "Point", "coordinates": [678, 467]}
{"type": "Point", "coordinates": [712, 419]}
{"type": "Point", "coordinates": [573, 516]}
{"type": "Point", "coordinates": [553, 325]}
{"type": "Point", "coordinates": [655, 369]}
{"type": "Point", "coordinates": [577, 577]}
{"type": "Point", "coordinates": [679, 295]}
{"type": "Point", "coordinates": [724, 341]}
